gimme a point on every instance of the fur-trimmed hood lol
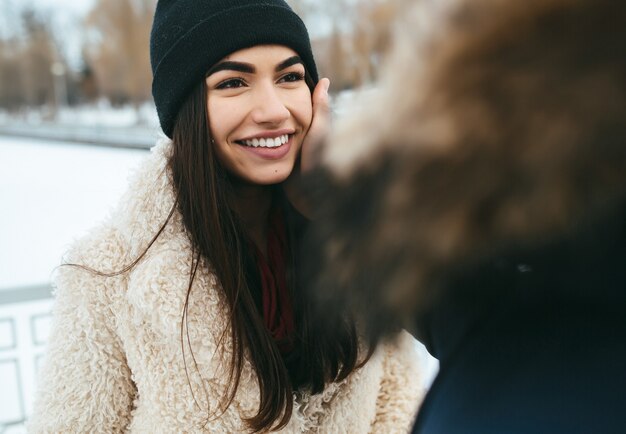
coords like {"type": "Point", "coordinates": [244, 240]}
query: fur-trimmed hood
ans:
{"type": "Point", "coordinates": [114, 361]}
{"type": "Point", "coordinates": [499, 126]}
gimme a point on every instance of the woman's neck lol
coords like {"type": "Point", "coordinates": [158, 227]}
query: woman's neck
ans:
{"type": "Point", "coordinates": [252, 204]}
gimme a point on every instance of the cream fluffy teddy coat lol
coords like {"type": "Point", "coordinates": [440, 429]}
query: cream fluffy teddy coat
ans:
{"type": "Point", "coordinates": [114, 362]}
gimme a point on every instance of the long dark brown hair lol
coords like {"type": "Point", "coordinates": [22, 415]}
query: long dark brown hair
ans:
{"type": "Point", "coordinates": [202, 188]}
{"type": "Point", "coordinates": [325, 351]}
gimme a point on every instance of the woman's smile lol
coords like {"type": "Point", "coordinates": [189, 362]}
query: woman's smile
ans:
{"type": "Point", "coordinates": [260, 110]}
{"type": "Point", "coordinates": [271, 148]}
{"type": "Point", "coordinates": [269, 142]}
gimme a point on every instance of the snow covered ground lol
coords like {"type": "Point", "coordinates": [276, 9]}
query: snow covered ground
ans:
{"type": "Point", "coordinates": [52, 193]}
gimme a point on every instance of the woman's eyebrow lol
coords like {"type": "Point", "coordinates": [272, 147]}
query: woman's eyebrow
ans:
{"type": "Point", "coordinates": [288, 62]}
{"type": "Point", "coordinates": [228, 65]}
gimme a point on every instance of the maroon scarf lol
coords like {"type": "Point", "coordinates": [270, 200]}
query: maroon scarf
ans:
{"type": "Point", "coordinates": [277, 307]}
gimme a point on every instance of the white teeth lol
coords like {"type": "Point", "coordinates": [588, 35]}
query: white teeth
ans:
{"type": "Point", "coordinates": [269, 142]}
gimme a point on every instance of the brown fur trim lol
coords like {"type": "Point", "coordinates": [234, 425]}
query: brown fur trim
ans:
{"type": "Point", "coordinates": [506, 128]}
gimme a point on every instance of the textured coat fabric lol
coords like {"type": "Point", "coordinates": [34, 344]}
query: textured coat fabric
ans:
{"type": "Point", "coordinates": [114, 361]}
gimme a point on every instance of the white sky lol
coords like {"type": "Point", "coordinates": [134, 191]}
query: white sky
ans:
{"type": "Point", "coordinates": [70, 6]}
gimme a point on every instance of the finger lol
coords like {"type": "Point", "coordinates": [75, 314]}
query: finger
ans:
{"type": "Point", "coordinates": [320, 96]}
{"type": "Point", "coordinates": [321, 109]}
{"type": "Point", "coordinates": [319, 127]}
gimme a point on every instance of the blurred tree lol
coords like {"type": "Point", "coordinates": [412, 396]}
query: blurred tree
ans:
{"type": "Point", "coordinates": [87, 82]}
{"type": "Point", "coordinates": [350, 39]}
{"type": "Point", "coordinates": [335, 60]}
{"type": "Point", "coordinates": [302, 7]}
{"type": "Point", "coordinates": [372, 37]}
{"type": "Point", "coordinates": [27, 57]}
{"type": "Point", "coordinates": [11, 83]}
{"type": "Point", "coordinates": [117, 48]}
{"type": "Point", "coordinates": [38, 56]}
{"type": "Point", "coordinates": [352, 51]}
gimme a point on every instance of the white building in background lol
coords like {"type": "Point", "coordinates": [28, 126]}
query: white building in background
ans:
{"type": "Point", "coordinates": [24, 328]}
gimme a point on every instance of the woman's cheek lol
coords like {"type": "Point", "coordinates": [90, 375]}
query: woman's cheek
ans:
{"type": "Point", "coordinates": [307, 111]}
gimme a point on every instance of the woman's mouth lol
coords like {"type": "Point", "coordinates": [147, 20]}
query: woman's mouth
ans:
{"type": "Point", "coordinates": [265, 142]}
{"type": "Point", "coordinates": [268, 148]}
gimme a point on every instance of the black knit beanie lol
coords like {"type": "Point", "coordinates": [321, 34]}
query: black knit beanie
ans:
{"type": "Point", "coordinates": [189, 36]}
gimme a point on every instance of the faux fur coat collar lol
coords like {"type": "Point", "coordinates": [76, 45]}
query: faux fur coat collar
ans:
{"type": "Point", "coordinates": [114, 362]}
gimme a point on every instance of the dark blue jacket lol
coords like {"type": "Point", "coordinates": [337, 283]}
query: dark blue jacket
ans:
{"type": "Point", "coordinates": [534, 340]}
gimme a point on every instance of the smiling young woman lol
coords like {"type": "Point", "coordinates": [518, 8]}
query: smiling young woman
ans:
{"type": "Point", "coordinates": [184, 311]}
{"type": "Point", "coordinates": [259, 112]}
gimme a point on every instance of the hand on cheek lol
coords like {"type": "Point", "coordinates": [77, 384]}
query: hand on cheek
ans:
{"type": "Point", "coordinates": [320, 126]}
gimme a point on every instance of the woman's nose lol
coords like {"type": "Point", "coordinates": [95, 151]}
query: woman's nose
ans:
{"type": "Point", "coordinates": [269, 106]}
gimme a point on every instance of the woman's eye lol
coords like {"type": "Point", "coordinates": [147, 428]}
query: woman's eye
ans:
{"type": "Point", "coordinates": [292, 77]}
{"type": "Point", "coordinates": [231, 83]}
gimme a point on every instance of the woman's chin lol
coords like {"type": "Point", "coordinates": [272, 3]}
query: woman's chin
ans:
{"type": "Point", "coordinates": [274, 179]}
{"type": "Point", "coordinates": [269, 176]}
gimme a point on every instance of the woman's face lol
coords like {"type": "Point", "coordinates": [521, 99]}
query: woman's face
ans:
{"type": "Point", "coordinates": [259, 112]}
